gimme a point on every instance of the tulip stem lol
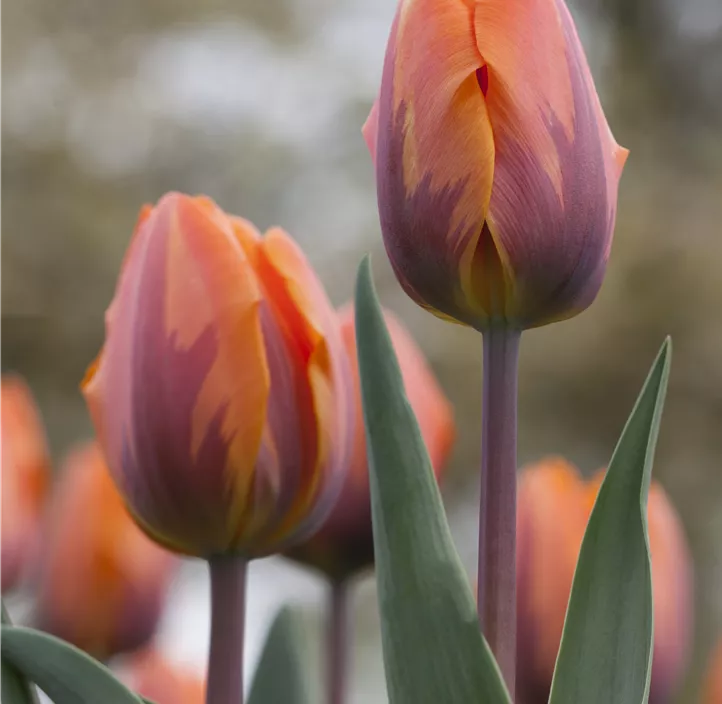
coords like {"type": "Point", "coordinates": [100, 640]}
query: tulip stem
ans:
{"type": "Point", "coordinates": [496, 596]}
{"type": "Point", "coordinates": [338, 641]}
{"type": "Point", "coordinates": [228, 615]}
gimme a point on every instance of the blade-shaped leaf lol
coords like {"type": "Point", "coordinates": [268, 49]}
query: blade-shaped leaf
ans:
{"type": "Point", "coordinates": [279, 677]}
{"type": "Point", "coordinates": [14, 687]}
{"type": "Point", "coordinates": [433, 648]}
{"type": "Point", "coordinates": [65, 673]}
{"type": "Point", "coordinates": [606, 650]}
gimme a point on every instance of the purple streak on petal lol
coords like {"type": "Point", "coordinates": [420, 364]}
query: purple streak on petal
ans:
{"type": "Point", "coordinates": [557, 248]}
{"type": "Point", "coordinates": [183, 497]}
{"type": "Point", "coordinates": [423, 251]}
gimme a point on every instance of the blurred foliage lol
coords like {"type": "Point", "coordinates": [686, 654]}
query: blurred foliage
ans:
{"type": "Point", "coordinates": [259, 105]}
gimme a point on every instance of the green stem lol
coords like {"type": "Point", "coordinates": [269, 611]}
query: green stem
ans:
{"type": "Point", "coordinates": [228, 612]}
{"type": "Point", "coordinates": [496, 596]}
{"type": "Point", "coordinates": [338, 641]}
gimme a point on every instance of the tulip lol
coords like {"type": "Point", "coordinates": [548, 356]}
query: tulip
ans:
{"type": "Point", "coordinates": [554, 506]}
{"type": "Point", "coordinates": [25, 479]}
{"type": "Point", "coordinates": [344, 544]}
{"type": "Point", "coordinates": [497, 179]}
{"type": "Point", "coordinates": [102, 581]}
{"type": "Point", "coordinates": [221, 399]}
{"type": "Point", "coordinates": [220, 395]}
{"type": "Point", "coordinates": [149, 674]}
{"type": "Point", "coordinates": [712, 688]}
{"type": "Point", "coordinates": [496, 170]}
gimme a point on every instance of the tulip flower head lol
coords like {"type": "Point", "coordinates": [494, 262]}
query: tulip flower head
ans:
{"type": "Point", "coordinates": [554, 505]}
{"type": "Point", "coordinates": [25, 479]}
{"type": "Point", "coordinates": [151, 676]}
{"type": "Point", "coordinates": [344, 544]}
{"type": "Point", "coordinates": [102, 581]}
{"type": "Point", "coordinates": [220, 397]}
{"type": "Point", "coordinates": [496, 170]}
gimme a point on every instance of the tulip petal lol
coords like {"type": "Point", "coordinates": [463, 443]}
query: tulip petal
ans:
{"type": "Point", "coordinates": [299, 299]}
{"type": "Point", "coordinates": [433, 193]}
{"type": "Point", "coordinates": [556, 167]}
{"type": "Point", "coordinates": [185, 359]}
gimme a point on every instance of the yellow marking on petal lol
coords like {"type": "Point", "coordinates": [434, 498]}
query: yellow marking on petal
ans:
{"type": "Point", "coordinates": [188, 310]}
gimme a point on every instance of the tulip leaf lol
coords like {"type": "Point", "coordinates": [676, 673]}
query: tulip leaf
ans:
{"type": "Point", "coordinates": [14, 687]}
{"type": "Point", "coordinates": [280, 675]}
{"type": "Point", "coordinates": [65, 673]}
{"type": "Point", "coordinates": [606, 649]}
{"type": "Point", "coordinates": [432, 645]}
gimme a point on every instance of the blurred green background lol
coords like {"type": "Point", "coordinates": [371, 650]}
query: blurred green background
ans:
{"type": "Point", "coordinates": [107, 105]}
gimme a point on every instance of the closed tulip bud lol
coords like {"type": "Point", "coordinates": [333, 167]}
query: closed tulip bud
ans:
{"type": "Point", "coordinates": [151, 676]}
{"type": "Point", "coordinates": [220, 397]}
{"type": "Point", "coordinates": [25, 479]}
{"type": "Point", "coordinates": [344, 544]}
{"type": "Point", "coordinates": [496, 170]}
{"type": "Point", "coordinates": [554, 505]}
{"type": "Point", "coordinates": [102, 581]}
{"type": "Point", "coordinates": [712, 686]}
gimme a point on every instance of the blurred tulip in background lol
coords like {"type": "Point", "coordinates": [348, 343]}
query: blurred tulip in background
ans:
{"type": "Point", "coordinates": [712, 688]}
{"type": "Point", "coordinates": [151, 676]}
{"type": "Point", "coordinates": [496, 170]}
{"type": "Point", "coordinates": [102, 582]}
{"type": "Point", "coordinates": [554, 505]}
{"type": "Point", "coordinates": [344, 544]}
{"type": "Point", "coordinates": [222, 395]}
{"type": "Point", "coordinates": [25, 479]}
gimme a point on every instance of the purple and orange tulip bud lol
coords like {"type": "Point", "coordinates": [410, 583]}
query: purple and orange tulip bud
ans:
{"type": "Point", "coordinates": [496, 170]}
{"type": "Point", "coordinates": [712, 686]}
{"type": "Point", "coordinates": [554, 505]}
{"type": "Point", "coordinates": [344, 544]}
{"type": "Point", "coordinates": [102, 581]}
{"type": "Point", "coordinates": [151, 676]}
{"type": "Point", "coordinates": [221, 397]}
{"type": "Point", "coordinates": [25, 479]}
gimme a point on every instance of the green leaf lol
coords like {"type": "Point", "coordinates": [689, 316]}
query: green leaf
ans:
{"type": "Point", "coordinates": [65, 673]}
{"type": "Point", "coordinates": [14, 688]}
{"type": "Point", "coordinates": [433, 648]}
{"type": "Point", "coordinates": [606, 650]}
{"type": "Point", "coordinates": [280, 676]}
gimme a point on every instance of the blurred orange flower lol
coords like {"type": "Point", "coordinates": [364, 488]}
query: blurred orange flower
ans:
{"type": "Point", "coordinates": [153, 677]}
{"type": "Point", "coordinates": [344, 544]}
{"type": "Point", "coordinates": [102, 581]}
{"type": "Point", "coordinates": [25, 478]}
{"type": "Point", "coordinates": [221, 396]}
{"type": "Point", "coordinates": [712, 689]}
{"type": "Point", "coordinates": [554, 504]}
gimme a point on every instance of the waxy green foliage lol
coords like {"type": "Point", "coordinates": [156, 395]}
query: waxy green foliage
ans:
{"type": "Point", "coordinates": [606, 650]}
{"type": "Point", "coordinates": [433, 649]}
{"type": "Point", "coordinates": [280, 675]}
{"type": "Point", "coordinates": [65, 673]}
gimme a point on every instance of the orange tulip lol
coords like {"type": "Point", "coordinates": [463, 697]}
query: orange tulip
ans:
{"type": "Point", "coordinates": [153, 677]}
{"type": "Point", "coordinates": [25, 479]}
{"type": "Point", "coordinates": [344, 544]}
{"type": "Point", "coordinates": [102, 581]}
{"type": "Point", "coordinates": [554, 505]}
{"type": "Point", "coordinates": [712, 688]}
{"type": "Point", "coordinates": [220, 397]}
{"type": "Point", "coordinates": [496, 170]}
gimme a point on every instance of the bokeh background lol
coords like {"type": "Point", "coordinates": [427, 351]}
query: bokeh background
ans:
{"type": "Point", "coordinates": [107, 105]}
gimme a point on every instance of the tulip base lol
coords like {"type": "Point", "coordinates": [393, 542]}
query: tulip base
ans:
{"type": "Point", "coordinates": [228, 615]}
{"type": "Point", "coordinates": [497, 519]}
